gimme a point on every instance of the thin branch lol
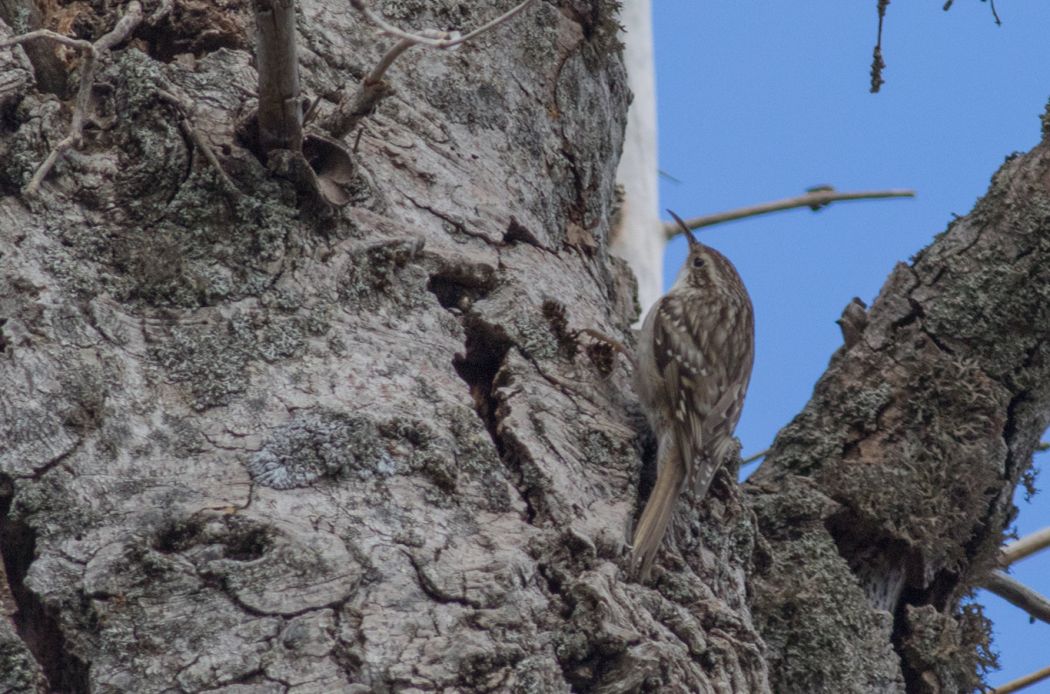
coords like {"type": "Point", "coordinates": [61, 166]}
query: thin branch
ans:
{"type": "Point", "coordinates": [1026, 546]}
{"type": "Point", "coordinates": [1018, 595]}
{"type": "Point", "coordinates": [814, 200]}
{"type": "Point", "coordinates": [166, 6]}
{"type": "Point", "coordinates": [877, 62]}
{"type": "Point", "coordinates": [352, 107]}
{"type": "Point", "coordinates": [376, 76]}
{"type": "Point", "coordinates": [183, 108]}
{"type": "Point", "coordinates": [995, 15]}
{"type": "Point", "coordinates": [756, 456]}
{"type": "Point", "coordinates": [439, 39]}
{"type": "Point", "coordinates": [79, 44]}
{"type": "Point", "coordinates": [93, 53]}
{"type": "Point", "coordinates": [1023, 682]}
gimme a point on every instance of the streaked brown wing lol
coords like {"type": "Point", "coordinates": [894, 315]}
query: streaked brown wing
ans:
{"type": "Point", "coordinates": [686, 377]}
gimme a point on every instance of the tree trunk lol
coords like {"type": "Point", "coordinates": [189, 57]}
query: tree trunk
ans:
{"type": "Point", "coordinates": [247, 448]}
{"type": "Point", "coordinates": [884, 502]}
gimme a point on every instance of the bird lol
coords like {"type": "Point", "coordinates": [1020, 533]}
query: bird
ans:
{"type": "Point", "coordinates": [695, 351]}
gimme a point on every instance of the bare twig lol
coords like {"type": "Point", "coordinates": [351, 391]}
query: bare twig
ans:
{"type": "Point", "coordinates": [166, 6]}
{"type": "Point", "coordinates": [814, 200]}
{"type": "Point", "coordinates": [79, 44]}
{"type": "Point", "coordinates": [184, 109]}
{"type": "Point", "coordinates": [877, 63]}
{"type": "Point", "coordinates": [756, 456]}
{"type": "Point", "coordinates": [354, 106]}
{"type": "Point", "coordinates": [995, 14]}
{"type": "Point", "coordinates": [1026, 546]}
{"type": "Point", "coordinates": [1019, 595]}
{"type": "Point", "coordinates": [376, 76]}
{"type": "Point", "coordinates": [1023, 682]}
{"type": "Point", "coordinates": [434, 39]}
{"type": "Point", "coordinates": [93, 53]}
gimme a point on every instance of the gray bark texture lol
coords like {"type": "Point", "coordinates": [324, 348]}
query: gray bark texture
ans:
{"type": "Point", "coordinates": [251, 446]}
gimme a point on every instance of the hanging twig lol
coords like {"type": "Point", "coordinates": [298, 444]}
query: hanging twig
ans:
{"type": "Point", "coordinates": [352, 107]}
{"type": "Point", "coordinates": [93, 53]}
{"type": "Point", "coordinates": [991, 3]}
{"type": "Point", "coordinates": [995, 15]}
{"type": "Point", "coordinates": [814, 200]}
{"type": "Point", "coordinates": [877, 63]}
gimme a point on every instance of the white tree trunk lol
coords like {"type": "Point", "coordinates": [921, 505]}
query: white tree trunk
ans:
{"type": "Point", "coordinates": [639, 236]}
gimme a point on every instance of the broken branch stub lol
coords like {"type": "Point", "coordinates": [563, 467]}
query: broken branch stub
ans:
{"type": "Point", "coordinates": [280, 110]}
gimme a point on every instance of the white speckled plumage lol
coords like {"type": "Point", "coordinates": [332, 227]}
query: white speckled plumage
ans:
{"type": "Point", "coordinates": [696, 349]}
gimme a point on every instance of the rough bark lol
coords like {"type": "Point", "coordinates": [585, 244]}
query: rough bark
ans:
{"type": "Point", "coordinates": [895, 482]}
{"type": "Point", "coordinates": [245, 447]}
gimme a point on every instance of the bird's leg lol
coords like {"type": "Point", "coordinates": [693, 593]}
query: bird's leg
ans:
{"type": "Point", "coordinates": [615, 344]}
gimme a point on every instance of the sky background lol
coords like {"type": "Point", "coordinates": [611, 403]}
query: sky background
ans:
{"type": "Point", "coordinates": [758, 101]}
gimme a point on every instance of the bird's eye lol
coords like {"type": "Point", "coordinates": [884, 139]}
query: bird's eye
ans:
{"type": "Point", "coordinates": [698, 261]}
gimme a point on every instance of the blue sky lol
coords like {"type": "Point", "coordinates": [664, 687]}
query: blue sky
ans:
{"type": "Point", "coordinates": [759, 101]}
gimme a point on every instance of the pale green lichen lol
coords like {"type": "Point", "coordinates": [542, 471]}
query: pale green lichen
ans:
{"type": "Point", "coordinates": [371, 275]}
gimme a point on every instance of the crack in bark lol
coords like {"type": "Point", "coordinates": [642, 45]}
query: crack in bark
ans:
{"type": "Point", "coordinates": [480, 364]}
{"type": "Point", "coordinates": [47, 467]}
{"type": "Point", "coordinates": [456, 224]}
{"type": "Point", "coordinates": [433, 590]}
{"type": "Point", "coordinates": [35, 623]}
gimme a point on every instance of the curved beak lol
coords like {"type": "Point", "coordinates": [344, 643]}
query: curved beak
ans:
{"type": "Point", "coordinates": [685, 230]}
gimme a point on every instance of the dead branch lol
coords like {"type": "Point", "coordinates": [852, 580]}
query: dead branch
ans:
{"type": "Point", "coordinates": [1023, 682]}
{"type": "Point", "coordinates": [434, 39]}
{"type": "Point", "coordinates": [353, 107]}
{"type": "Point", "coordinates": [79, 44]}
{"type": "Point", "coordinates": [280, 111]}
{"type": "Point", "coordinates": [93, 53]}
{"type": "Point", "coordinates": [815, 200]}
{"type": "Point", "coordinates": [756, 456]}
{"type": "Point", "coordinates": [877, 63]}
{"type": "Point", "coordinates": [184, 108]}
{"type": "Point", "coordinates": [1026, 546]}
{"type": "Point", "coordinates": [166, 6]}
{"type": "Point", "coordinates": [1019, 595]}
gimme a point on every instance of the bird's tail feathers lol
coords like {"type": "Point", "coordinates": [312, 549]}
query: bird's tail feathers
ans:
{"type": "Point", "coordinates": [656, 516]}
